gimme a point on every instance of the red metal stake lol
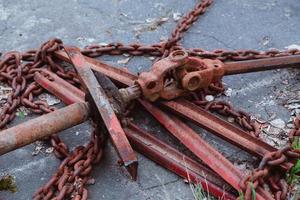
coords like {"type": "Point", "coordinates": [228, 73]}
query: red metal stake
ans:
{"type": "Point", "coordinates": [101, 102]}
{"type": "Point", "coordinates": [202, 149]}
{"type": "Point", "coordinates": [175, 161]}
{"type": "Point", "coordinates": [221, 128]}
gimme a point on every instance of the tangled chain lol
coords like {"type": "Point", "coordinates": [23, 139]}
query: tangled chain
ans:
{"type": "Point", "coordinates": [73, 173]}
{"type": "Point", "coordinates": [17, 70]}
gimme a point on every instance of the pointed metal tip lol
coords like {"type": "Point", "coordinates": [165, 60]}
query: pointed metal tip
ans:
{"type": "Point", "coordinates": [132, 169]}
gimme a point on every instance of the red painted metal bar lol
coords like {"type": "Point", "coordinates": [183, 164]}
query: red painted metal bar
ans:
{"type": "Point", "coordinates": [119, 75]}
{"type": "Point", "coordinates": [221, 128]}
{"type": "Point", "coordinates": [99, 99]}
{"type": "Point", "coordinates": [170, 158]}
{"type": "Point", "coordinates": [58, 86]}
{"type": "Point", "coordinates": [212, 158]}
{"type": "Point", "coordinates": [151, 147]}
{"type": "Point", "coordinates": [261, 64]}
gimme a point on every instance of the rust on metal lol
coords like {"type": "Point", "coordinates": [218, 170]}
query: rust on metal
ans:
{"type": "Point", "coordinates": [170, 158]}
{"type": "Point", "coordinates": [221, 128]}
{"type": "Point", "coordinates": [59, 87]}
{"type": "Point", "coordinates": [177, 74]}
{"type": "Point", "coordinates": [264, 64]}
{"type": "Point", "coordinates": [121, 76]}
{"type": "Point", "coordinates": [212, 158]}
{"type": "Point", "coordinates": [99, 99]}
{"type": "Point", "coordinates": [43, 126]}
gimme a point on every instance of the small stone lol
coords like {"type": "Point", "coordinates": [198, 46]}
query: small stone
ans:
{"type": "Point", "coordinates": [124, 61]}
{"type": "Point", "coordinates": [230, 119]}
{"type": "Point", "coordinates": [151, 58]}
{"type": "Point", "coordinates": [50, 99]}
{"type": "Point", "coordinates": [177, 16]}
{"type": "Point", "coordinates": [285, 82]}
{"type": "Point", "coordinates": [49, 150]}
{"type": "Point", "coordinates": [163, 38]}
{"type": "Point", "coordinates": [278, 123]}
{"type": "Point", "coordinates": [80, 38]}
{"type": "Point", "coordinates": [209, 98]}
{"type": "Point", "coordinates": [293, 46]}
{"type": "Point", "coordinates": [228, 92]}
{"type": "Point", "coordinates": [103, 44]}
{"type": "Point", "coordinates": [91, 181]}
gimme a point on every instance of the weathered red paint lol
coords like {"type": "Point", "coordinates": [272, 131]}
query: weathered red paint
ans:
{"type": "Point", "coordinates": [215, 160]}
{"type": "Point", "coordinates": [62, 89]}
{"type": "Point", "coordinates": [99, 100]}
{"type": "Point", "coordinates": [262, 64]}
{"type": "Point", "coordinates": [170, 158]}
{"type": "Point", "coordinates": [221, 128]}
{"type": "Point", "coordinates": [43, 126]}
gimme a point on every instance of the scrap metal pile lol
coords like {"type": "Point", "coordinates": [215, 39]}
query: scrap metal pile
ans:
{"type": "Point", "coordinates": [174, 87]}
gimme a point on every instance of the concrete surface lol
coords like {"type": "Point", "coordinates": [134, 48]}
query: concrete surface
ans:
{"type": "Point", "coordinates": [228, 24]}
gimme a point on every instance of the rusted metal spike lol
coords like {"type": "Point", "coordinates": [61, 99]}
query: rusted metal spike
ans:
{"type": "Point", "coordinates": [101, 102]}
{"type": "Point", "coordinates": [264, 64]}
{"type": "Point", "coordinates": [188, 137]}
{"type": "Point", "coordinates": [221, 128]}
{"type": "Point", "coordinates": [175, 161]}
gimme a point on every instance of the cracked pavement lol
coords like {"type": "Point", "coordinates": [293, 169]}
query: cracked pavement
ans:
{"type": "Point", "coordinates": [228, 24]}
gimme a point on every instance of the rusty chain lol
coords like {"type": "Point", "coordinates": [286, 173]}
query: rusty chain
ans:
{"type": "Point", "coordinates": [73, 173]}
{"type": "Point", "coordinates": [17, 70]}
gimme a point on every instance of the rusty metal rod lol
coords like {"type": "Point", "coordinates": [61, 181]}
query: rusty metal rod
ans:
{"type": "Point", "coordinates": [59, 87]}
{"type": "Point", "coordinates": [247, 66]}
{"type": "Point", "coordinates": [177, 162]}
{"type": "Point", "coordinates": [221, 128]}
{"type": "Point", "coordinates": [121, 76]}
{"type": "Point", "coordinates": [211, 157]}
{"type": "Point", "coordinates": [43, 126]}
{"type": "Point", "coordinates": [100, 102]}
